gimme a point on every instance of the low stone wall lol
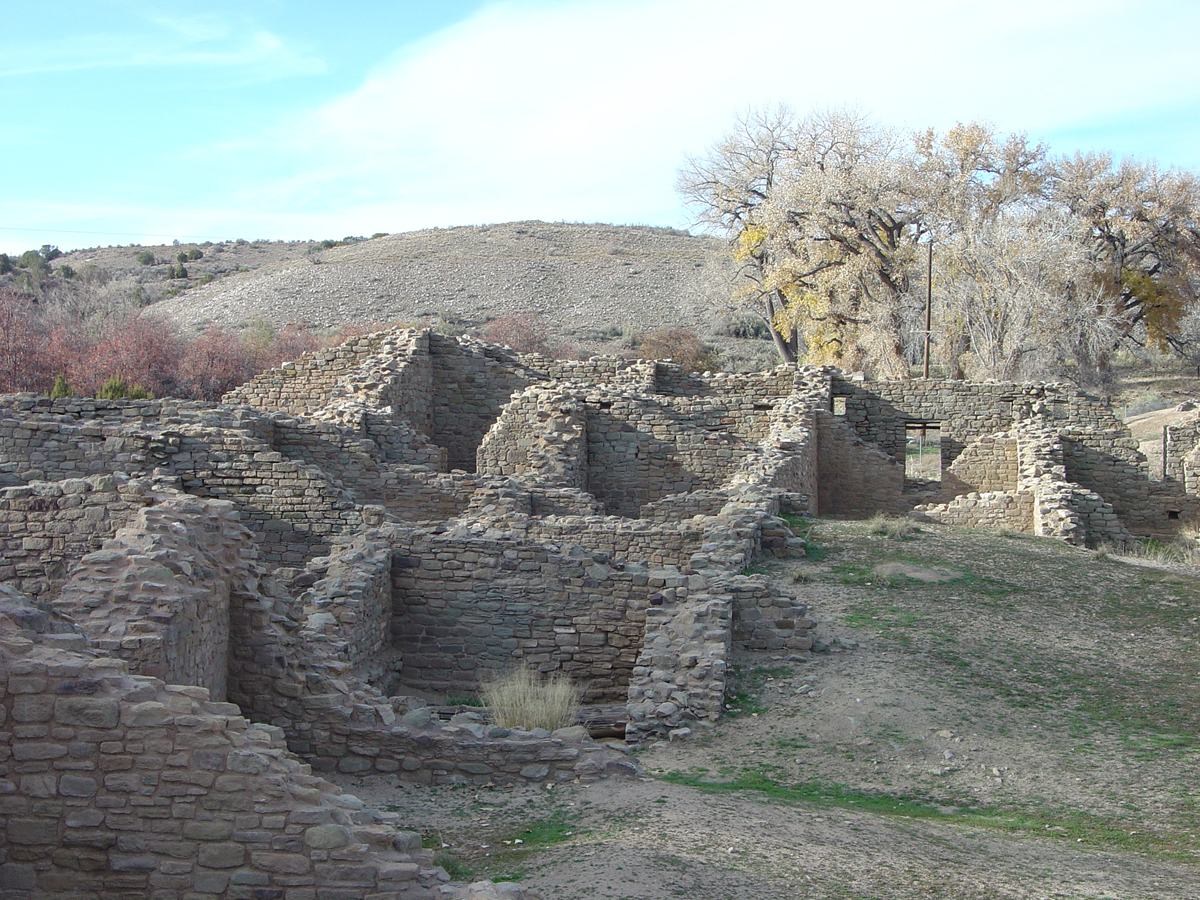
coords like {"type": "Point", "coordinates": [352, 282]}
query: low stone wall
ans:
{"type": "Point", "coordinates": [669, 543]}
{"type": "Point", "coordinates": [680, 677]}
{"type": "Point", "coordinates": [1009, 511]}
{"type": "Point", "coordinates": [158, 595]}
{"type": "Point", "coordinates": [857, 478]}
{"type": "Point", "coordinates": [120, 786]}
{"type": "Point", "coordinates": [45, 526]}
{"type": "Point", "coordinates": [469, 609]}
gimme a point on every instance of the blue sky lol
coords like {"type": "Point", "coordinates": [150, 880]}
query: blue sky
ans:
{"type": "Point", "coordinates": [129, 121]}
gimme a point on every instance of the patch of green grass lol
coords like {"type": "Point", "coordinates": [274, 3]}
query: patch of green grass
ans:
{"type": "Point", "coordinates": [1078, 827]}
{"type": "Point", "coordinates": [455, 868]}
{"type": "Point", "coordinates": [740, 703]}
{"type": "Point", "coordinates": [866, 576]}
{"type": "Point", "coordinates": [511, 849]}
{"type": "Point", "coordinates": [742, 698]}
{"type": "Point", "coordinates": [892, 621]}
{"type": "Point", "coordinates": [814, 548]}
{"type": "Point", "coordinates": [463, 700]}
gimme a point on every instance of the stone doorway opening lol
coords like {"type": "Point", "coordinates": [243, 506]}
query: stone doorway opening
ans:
{"type": "Point", "coordinates": [922, 454]}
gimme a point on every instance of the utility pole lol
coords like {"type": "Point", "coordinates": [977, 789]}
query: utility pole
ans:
{"type": "Point", "coordinates": [928, 304]}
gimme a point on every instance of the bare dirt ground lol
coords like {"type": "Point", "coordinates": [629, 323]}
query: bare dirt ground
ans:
{"type": "Point", "coordinates": [1024, 726]}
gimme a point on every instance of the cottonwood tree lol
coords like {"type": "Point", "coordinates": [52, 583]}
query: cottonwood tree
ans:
{"type": "Point", "coordinates": [731, 186]}
{"type": "Point", "coordinates": [1041, 264]}
{"type": "Point", "coordinates": [1139, 232]}
{"type": "Point", "coordinates": [824, 222]}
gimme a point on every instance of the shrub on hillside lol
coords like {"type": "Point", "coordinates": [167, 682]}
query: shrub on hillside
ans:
{"type": "Point", "coordinates": [213, 364]}
{"type": "Point", "coordinates": [145, 257]}
{"type": "Point", "coordinates": [525, 332]}
{"type": "Point", "coordinates": [144, 351]}
{"type": "Point", "coordinates": [116, 388]}
{"type": "Point", "coordinates": [23, 360]}
{"type": "Point", "coordinates": [681, 345]}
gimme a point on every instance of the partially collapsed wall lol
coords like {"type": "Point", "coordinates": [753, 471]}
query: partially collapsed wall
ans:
{"type": "Point", "coordinates": [205, 607]}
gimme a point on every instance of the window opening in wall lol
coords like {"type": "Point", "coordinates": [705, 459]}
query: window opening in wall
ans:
{"type": "Point", "coordinates": [839, 406]}
{"type": "Point", "coordinates": [1172, 514]}
{"type": "Point", "coordinates": [922, 454]}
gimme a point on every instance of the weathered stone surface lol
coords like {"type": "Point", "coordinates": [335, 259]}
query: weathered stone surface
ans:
{"type": "Point", "coordinates": [326, 837]}
{"type": "Point", "coordinates": [599, 523]}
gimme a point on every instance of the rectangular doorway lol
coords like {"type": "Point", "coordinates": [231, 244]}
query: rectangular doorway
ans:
{"type": "Point", "coordinates": [922, 454]}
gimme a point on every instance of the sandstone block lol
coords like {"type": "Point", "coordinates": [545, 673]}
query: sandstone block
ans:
{"type": "Point", "coordinates": [221, 855]}
{"type": "Point", "coordinates": [87, 712]}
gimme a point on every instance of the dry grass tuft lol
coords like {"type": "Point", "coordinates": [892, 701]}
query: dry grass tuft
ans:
{"type": "Point", "coordinates": [892, 528]}
{"type": "Point", "coordinates": [522, 698]}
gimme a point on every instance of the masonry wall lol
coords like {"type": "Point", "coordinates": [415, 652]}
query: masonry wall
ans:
{"type": "Point", "coordinates": [756, 386]}
{"type": "Point", "coordinates": [1110, 465]}
{"type": "Point", "coordinates": [1182, 440]}
{"type": "Point", "coordinates": [989, 465]}
{"type": "Point", "coordinates": [857, 479]}
{"type": "Point", "coordinates": [669, 542]}
{"type": "Point", "coordinates": [641, 450]}
{"type": "Point", "coordinates": [123, 787]}
{"type": "Point", "coordinates": [45, 526]}
{"type": "Point", "coordinates": [292, 506]}
{"type": "Point", "coordinates": [350, 611]}
{"type": "Point", "coordinates": [965, 411]}
{"type": "Point", "coordinates": [987, 509]}
{"type": "Point", "coordinates": [307, 384]}
{"type": "Point", "coordinates": [158, 594]}
{"type": "Point", "coordinates": [465, 610]}
{"type": "Point", "coordinates": [541, 432]}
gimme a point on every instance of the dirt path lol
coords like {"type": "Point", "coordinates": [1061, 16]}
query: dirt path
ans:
{"type": "Point", "coordinates": [1025, 729]}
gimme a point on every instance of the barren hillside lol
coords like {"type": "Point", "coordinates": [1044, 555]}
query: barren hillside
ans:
{"type": "Point", "coordinates": [589, 281]}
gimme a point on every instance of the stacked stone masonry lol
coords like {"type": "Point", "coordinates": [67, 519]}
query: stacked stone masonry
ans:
{"type": "Point", "coordinates": [205, 607]}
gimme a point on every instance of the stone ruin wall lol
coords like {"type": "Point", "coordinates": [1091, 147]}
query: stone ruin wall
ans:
{"type": "Point", "coordinates": [158, 594]}
{"type": "Point", "coordinates": [45, 526]}
{"type": "Point", "coordinates": [121, 786]}
{"type": "Point", "coordinates": [293, 508]}
{"type": "Point", "coordinates": [1102, 471]}
{"type": "Point", "coordinates": [512, 561]}
{"type": "Point", "coordinates": [308, 384]}
{"type": "Point", "coordinates": [464, 610]}
{"type": "Point", "coordinates": [857, 479]}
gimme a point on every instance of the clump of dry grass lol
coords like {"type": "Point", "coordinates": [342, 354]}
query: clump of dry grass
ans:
{"type": "Point", "coordinates": [523, 698]}
{"type": "Point", "coordinates": [1183, 549]}
{"type": "Point", "coordinates": [891, 527]}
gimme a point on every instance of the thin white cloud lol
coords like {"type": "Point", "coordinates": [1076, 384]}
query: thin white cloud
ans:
{"type": "Point", "coordinates": [176, 43]}
{"type": "Point", "coordinates": [586, 109]}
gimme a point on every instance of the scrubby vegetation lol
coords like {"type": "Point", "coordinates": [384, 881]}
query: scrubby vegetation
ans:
{"type": "Point", "coordinates": [524, 699]}
{"type": "Point", "coordinates": [117, 350]}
